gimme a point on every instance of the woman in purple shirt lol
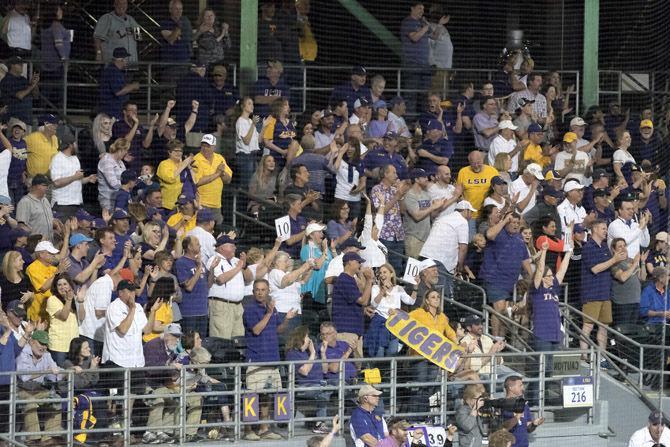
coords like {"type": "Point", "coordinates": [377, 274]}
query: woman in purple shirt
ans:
{"type": "Point", "coordinates": [544, 300]}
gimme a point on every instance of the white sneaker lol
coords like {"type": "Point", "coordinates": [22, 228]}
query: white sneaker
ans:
{"type": "Point", "coordinates": [150, 438]}
{"type": "Point", "coordinates": [164, 438]}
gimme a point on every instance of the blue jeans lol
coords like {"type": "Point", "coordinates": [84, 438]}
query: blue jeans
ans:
{"type": "Point", "coordinates": [319, 397]}
{"type": "Point", "coordinates": [199, 324]}
{"type": "Point", "coordinates": [424, 371]}
{"type": "Point", "coordinates": [394, 259]}
{"type": "Point", "coordinates": [59, 357]}
{"type": "Point", "coordinates": [542, 345]}
{"type": "Point", "coordinates": [245, 166]}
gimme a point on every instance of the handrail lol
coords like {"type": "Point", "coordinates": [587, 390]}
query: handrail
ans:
{"type": "Point", "coordinates": [507, 320]}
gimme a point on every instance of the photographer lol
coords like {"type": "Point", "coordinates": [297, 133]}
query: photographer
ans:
{"type": "Point", "coordinates": [471, 428]}
{"type": "Point", "coordinates": [519, 424]}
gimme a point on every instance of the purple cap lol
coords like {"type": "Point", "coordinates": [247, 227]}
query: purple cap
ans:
{"type": "Point", "coordinates": [352, 256]}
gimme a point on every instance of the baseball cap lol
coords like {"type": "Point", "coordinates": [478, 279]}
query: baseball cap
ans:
{"type": "Point", "coordinates": [120, 214]}
{"type": "Point", "coordinates": [551, 191]}
{"type": "Point", "coordinates": [351, 243]}
{"type": "Point", "coordinates": [82, 214]}
{"type": "Point", "coordinates": [171, 122]}
{"type": "Point", "coordinates": [578, 228]}
{"type": "Point", "coordinates": [224, 239]}
{"type": "Point", "coordinates": [577, 121]}
{"type": "Point", "coordinates": [16, 60]}
{"type": "Point", "coordinates": [369, 390]}
{"type": "Point", "coordinates": [417, 173]}
{"type": "Point", "coordinates": [40, 179]}
{"type": "Point", "coordinates": [46, 246]}
{"type": "Point", "coordinates": [128, 176]}
{"type": "Point", "coordinates": [42, 337]}
{"type": "Point", "coordinates": [646, 123]}
{"type": "Point", "coordinates": [314, 226]}
{"type": "Point", "coordinates": [127, 274]}
{"type": "Point", "coordinates": [359, 70]}
{"type": "Point", "coordinates": [352, 256]}
{"type": "Point", "coordinates": [571, 186]}
{"type": "Point", "coordinates": [99, 223]}
{"type": "Point", "coordinates": [661, 236]}
{"type": "Point", "coordinates": [183, 200]}
{"type": "Point", "coordinates": [497, 180]}
{"type": "Point", "coordinates": [379, 104]}
{"type": "Point", "coordinates": [204, 215]}
{"type": "Point", "coordinates": [426, 264]}
{"type": "Point", "coordinates": [656, 417]}
{"type": "Point", "coordinates": [524, 101]}
{"type": "Point", "coordinates": [126, 285]}
{"type": "Point", "coordinates": [397, 100]}
{"type": "Point", "coordinates": [398, 423]}
{"type": "Point", "coordinates": [552, 175]}
{"type": "Point", "coordinates": [600, 192]}
{"type": "Point", "coordinates": [391, 134]}
{"type": "Point", "coordinates": [17, 232]}
{"type": "Point", "coordinates": [173, 329]}
{"type": "Point", "coordinates": [66, 141]}
{"type": "Point", "coordinates": [471, 320]}
{"type": "Point", "coordinates": [48, 119]}
{"type": "Point", "coordinates": [4, 200]}
{"type": "Point", "coordinates": [465, 205]}
{"type": "Point", "coordinates": [13, 122]}
{"type": "Point", "coordinates": [506, 124]}
{"type": "Point", "coordinates": [209, 139]}
{"type": "Point", "coordinates": [17, 309]}
{"type": "Point", "coordinates": [78, 238]}
{"type": "Point", "coordinates": [535, 128]}
{"type": "Point", "coordinates": [599, 173]}
{"type": "Point", "coordinates": [326, 113]}
{"type": "Point", "coordinates": [536, 170]}
{"type": "Point", "coordinates": [569, 137]}
{"type": "Point", "coordinates": [361, 102]}
{"type": "Point", "coordinates": [120, 53]}
{"type": "Point", "coordinates": [434, 125]}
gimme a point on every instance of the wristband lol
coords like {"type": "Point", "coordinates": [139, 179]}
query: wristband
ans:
{"type": "Point", "coordinates": [194, 111]}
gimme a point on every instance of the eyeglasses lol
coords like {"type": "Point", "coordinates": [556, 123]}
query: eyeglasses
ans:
{"type": "Point", "coordinates": [218, 75]}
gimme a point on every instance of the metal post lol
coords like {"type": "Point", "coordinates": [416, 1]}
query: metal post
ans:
{"type": "Point", "coordinates": [182, 405]}
{"type": "Point", "coordinates": [12, 406]}
{"type": "Point", "coordinates": [443, 397]}
{"type": "Point", "coordinates": [578, 96]}
{"type": "Point", "coordinates": [70, 413]}
{"type": "Point", "coordinates": [341, 393]}
{"type": "Point", "coordinates": [126, 406]}
{"type": "Point", "coordinates": [235, 208]}
{"type": "Point", "coordinates": [398, 81]}
{"type": "Point", "coordinates": [66, 67]}
{"type": "Point", "coordinates": [304, 88]}
{"type": "Point", "coordinates": [640, 381]}
{"type": "Point", "coordinates": [238, 378]}
{"type": "Point", "coordinates": [291, 392]}
{"type": "Point", "coordinates": [541, 385]}
{"type": "Point", "coordinates": [149, 74]}
{"type": "Point", "coordinates": [394, 384]}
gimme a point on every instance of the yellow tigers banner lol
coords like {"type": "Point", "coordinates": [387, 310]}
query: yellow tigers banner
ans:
{"type": "Point", "coordinates": [427, 342]}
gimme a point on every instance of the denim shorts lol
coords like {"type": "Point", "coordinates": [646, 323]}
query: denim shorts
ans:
{"type": "Point", "coordinates": [495, 293]}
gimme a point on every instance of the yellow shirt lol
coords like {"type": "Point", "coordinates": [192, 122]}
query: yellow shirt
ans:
{"type": "Point", "coordinates": [38, 273]}
{"type": "Point", "coordinates": [476, 185]}
{"type": "Point", "coordinates": [61, 332]}
{"type": "Point", "coordinates": [533, 153]}
{"type": "Point", "coordinates": [439, 323]}
{"type": "Point", "coordinates": [176, 218]}
{"type": "Point", "coordinates": [210, 194]}
{"type": "Point", "coordinates": [170, 182]}
{"type": "Point", "coordinates": [163, 315]}
{"type": "Point", "coordinates": [40, 152]}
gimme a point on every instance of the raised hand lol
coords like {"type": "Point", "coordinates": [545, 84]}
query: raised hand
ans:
{"type": "Point", "coordinates": [170, 104]}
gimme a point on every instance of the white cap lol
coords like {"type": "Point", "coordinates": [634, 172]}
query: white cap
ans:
{"type": "Point", "coordinates": [209, 139]}
{"type": "Point", "coordinates": [536, 170]}
{"type": "Point", "coordinates": [426, 264]}
{"type": "Point", "coordinates": [465, 205]}
{"type": "Point", "coordinates": [506, 124]}
{"type": "Point", "coordinates": [311, 228]}
{"type": "Point", "coordinates": [577, 121]}
{"type": "Point", "coordinates": [46, 246]}
{"type": "Point", "coordinates": [572, 185]}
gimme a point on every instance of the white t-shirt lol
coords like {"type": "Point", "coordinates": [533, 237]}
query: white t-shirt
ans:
{"type": "Point", "coordinates": [642, 438]}
{"type": "Point", "coordinates": [399, 124]}
{"type": "Point", "coordinates": [65, 166]}
{"type": "Point", "coordinates": [98, 296]}
{"type": "Point", "coordinates": [491, 201]}
{"type": "Point", "coordinates": [233, 290]}
{"type": "Point", "coordinates": [335, 266]}
{"type": "Point", "coordinates": [343, 186]}
{"type": "Point", "coordinates": [500, 145]}
{"type": "Point", "coordinates": [569, 213]}
{"type": "Point", "coordinates": [287, 298]}
{"type": "Point", "coordinates": [578, 168]}
{"type": "Point", "coordinates": [444, 239]}
{"type": "Point", "coordinates": [5, 161]}
{"type": "Point", "coordinates": [322, 140]}
{"type": "Point", "coordinates": [207, 243]}
{"type": "Point", "coordinates": [125, 351]}
{"type": "Point", "coordinates": [390, 301]}
{"type": "Point", "coordinates": [242, 127]}
{"type": "Point", "coordinates": [19, 33]}
{"type": "Point", "coordinates": [623, 157]}
{"type": "Point", "coordinates": [520, 186]}
{"type": "Point", "coordinates": [437, 191]}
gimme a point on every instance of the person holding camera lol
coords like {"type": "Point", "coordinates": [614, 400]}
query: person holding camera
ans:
{"type": "Point", "coordinates": [471, 427]}
{"type": "Point", "coordinates": [519, 424]}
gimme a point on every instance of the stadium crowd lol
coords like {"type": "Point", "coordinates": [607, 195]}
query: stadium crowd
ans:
{"type": "Point", "coordinates": [502, 186]}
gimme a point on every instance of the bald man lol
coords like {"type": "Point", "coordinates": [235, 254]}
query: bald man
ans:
{"type": "Point", "coordinates": [475, 181]}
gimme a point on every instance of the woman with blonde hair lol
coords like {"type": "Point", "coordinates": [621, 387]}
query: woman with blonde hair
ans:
{"type": "Point", "coordinates": [101, 132]}
{"type": "Point", "coordinates": [386, 295]}
{"type": "Point", "coordinates": [154, 239]}
{"type": "Point", "coordinates": [14, 284]}
{"type": "Point", "coordinates": [503, 163]}
{"type": "Point", "coordinates": [110, 168]}
{"type": "Point", "coordinates": [470, 425]}
{"type": "Point", "coordinates": [259, 263]}
{"type": "Point", "coordinates": [263, 184]}
{"type": "Point", "coordinates": [211, 39]}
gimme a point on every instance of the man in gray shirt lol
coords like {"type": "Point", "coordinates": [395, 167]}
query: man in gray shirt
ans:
{"type": "Point", "coordinates": [116, 29]}
{"type": "Point", "coordinates": [34, 209]}
{"type": "Point", "coordinates": [418, 208]}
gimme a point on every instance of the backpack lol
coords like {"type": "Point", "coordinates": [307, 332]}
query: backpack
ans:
{"type": "Point", "coordinates": [83, 418]}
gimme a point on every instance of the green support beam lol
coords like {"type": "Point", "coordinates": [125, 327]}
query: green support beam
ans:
{"type": "Point", "coordinates": [374, 25]}
{"type": "Point", "coordinates": [248, 45]}
{"type": "Point", "coordinates": [590, 85]}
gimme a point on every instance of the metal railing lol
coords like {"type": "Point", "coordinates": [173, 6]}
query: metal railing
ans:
{"type": "Point", "coordinates": [397, 384]}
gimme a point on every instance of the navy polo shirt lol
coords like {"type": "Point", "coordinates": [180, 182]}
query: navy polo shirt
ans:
{"type": "Point", "coordinates": [607, 215]}
{"type": "Point", "coordinates": [337, 352]}
{"type": "Point", "coordinates": [119, 130]}
{"type": "Point", "coordinates": [117, 253]}
{"type": "Point", "coordinates": [503, 258]}
{"type": "Point", "coordinates": [347, 313]}
{"type": "Point", "coordinates": [19, 108]}
{"type": "Point", "coordinates": [193, 303]}
{"type": "Point", "coordinates": [8, 353]}
{"type": "Point", "coordinates": [366, 422]}
{"type": "Point", "coordinates": [597, 286]}
{"type": "Point", "coordinates": [121, 200]}
{"type": "Point", "coordinates": [378, 158]}
{"type": "Point", "coordinates": [653, 300]}
{"type": "Point", "coordinates": [315, 375]}
{"type": "Point", "coordinates": [190, 87]}
{"type": "Point", "coordinates": [224, 98]}
{"type": "Point", "coordinates": [440, 148]}
{"type": "Point", "coordinates": [264, 87]}
{"type": "Point", "coordinates": [180, 51]}
{"type": "Point", "coordinates": [345, 92]}
{"type": "Point", "coordinates": [520, 430]}
{"type": "Point", "coordinates": [17, 166]}
{"type": "Point", "coordinates": [263, 347]}
{"type": "Point", "coordinates": [414, 53]}
{"type": "Point", "coordinates": [297, 226]}
{"type": "Point", "coordinates": [111, 81]}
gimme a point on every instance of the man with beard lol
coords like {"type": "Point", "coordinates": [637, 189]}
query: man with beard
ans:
{"type": "Point", "coordinates": [68, 178]}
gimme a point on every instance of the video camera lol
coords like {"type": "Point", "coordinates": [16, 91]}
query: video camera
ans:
{"type": "Point", "coordinates": [512, 405]}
